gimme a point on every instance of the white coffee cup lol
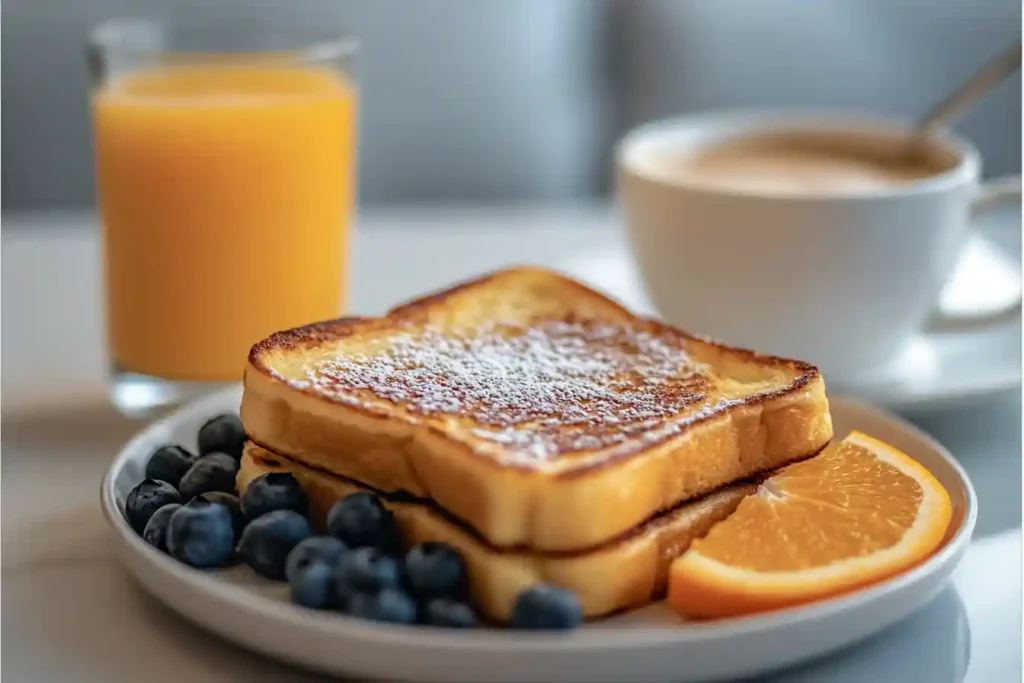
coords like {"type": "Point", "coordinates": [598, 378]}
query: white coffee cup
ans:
{"type": "Point", "coordinates": [841, 280]}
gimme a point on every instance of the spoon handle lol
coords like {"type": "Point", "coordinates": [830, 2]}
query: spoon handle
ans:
{"type": "Point", "coordinates": [957, 102]}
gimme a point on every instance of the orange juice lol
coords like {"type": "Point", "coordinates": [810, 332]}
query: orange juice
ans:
{"type": "Point", "coordinates": [225, 195]}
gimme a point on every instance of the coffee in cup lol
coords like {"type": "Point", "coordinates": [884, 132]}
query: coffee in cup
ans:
{"type": "Point", "coordinates": [800, 234]}
{"type": "Point", "coordinates": [789, 164]}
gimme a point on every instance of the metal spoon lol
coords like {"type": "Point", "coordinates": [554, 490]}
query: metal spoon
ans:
{"type": "Point", "coordinates": [961, 99]}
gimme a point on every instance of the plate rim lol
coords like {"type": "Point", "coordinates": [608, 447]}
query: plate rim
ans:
{"type": "Point", "coordinates": [511, 642]}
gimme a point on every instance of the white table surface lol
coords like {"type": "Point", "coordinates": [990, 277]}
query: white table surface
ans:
{"type": "Point", "coordinates": [71, 614]}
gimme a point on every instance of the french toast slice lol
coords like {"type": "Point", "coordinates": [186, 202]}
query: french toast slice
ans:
{"type": "Point", "coordinates": [625, 572]}
{"type": "Point", "coordinates": [538, 411]}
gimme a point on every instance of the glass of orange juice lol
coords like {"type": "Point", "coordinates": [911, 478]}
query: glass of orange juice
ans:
{"type": "Point", "coordinates": [225, 166]}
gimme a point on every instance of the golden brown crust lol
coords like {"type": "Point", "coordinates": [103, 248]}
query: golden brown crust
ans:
{"type": "Point", "coordinates": [416, 307]}
{"type": "Point", "coordinates": [777, 413]}
{"type": "Point", "coordinates": [312, 335]}
{"type": "Point", "coordinates": [303, 337]}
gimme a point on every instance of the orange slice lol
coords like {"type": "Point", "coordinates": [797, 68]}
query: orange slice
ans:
{"type": "Point", "coordinates": [855, 514]}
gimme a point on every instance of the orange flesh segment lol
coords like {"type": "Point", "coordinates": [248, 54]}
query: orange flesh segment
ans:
{"type": "Point", "coordinates": [843, 504]}
{"type": "Point", "coordinates": [855, 514]}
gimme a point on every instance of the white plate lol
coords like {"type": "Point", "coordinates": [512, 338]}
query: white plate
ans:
{"type": "Point", "coordinates": [646, 645]}
{"type": "Point", "coordinates": [936, 369]}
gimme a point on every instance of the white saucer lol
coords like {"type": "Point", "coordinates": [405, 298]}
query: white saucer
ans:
{"type": "Point", "coordinates": [650, 644]}
{"type": "Point", "coordinates": [935, 369]}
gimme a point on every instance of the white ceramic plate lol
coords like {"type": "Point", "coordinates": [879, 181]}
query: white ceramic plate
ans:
{"type": "Point", "coordinates": [936, 369]}
{"type": "Point", "coordinates": [650, 644]}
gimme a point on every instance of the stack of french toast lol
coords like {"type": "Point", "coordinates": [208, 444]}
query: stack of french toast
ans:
{"type": "Point", "coordinates": [536, 426]}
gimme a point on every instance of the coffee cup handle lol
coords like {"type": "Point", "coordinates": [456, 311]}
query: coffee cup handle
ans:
{"type": "Point", "coordinates": [992, 195]}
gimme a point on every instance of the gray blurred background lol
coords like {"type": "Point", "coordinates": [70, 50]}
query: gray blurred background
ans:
{"type": "Point", "coordinates": [521, 100]}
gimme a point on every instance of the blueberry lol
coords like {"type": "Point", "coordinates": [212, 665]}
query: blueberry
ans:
{"type": "Point", "coordinates": [231, 502]}
{"type": "Point", "coordinates": [169, 463]}
{"type": "Point", "coordinates": [389, 605]}
{"type": "Point", "coordinates": [222, 434]}
{"type": "Point", "coordinates": [155, 532]}
{"type": "Point", "coordinates": [360, 520]}
{"type": "Point", "coordinates": [147, 498]}
{"type": "Point", "coordinates": [435, 570]}
{"type": "Point", "coordinates": [274, 491]}
{"type": "Point", "coordinates": [313, 586]}
{"type": "Point", "coordinates": [322, 549]}
{"type": "Point", "coordinates": [449, 613]}
{"type": "Point", "coordinates": [390, 541]}
{"type": "Point", "coordinates": [544, 606]}
{"type": "Point", "coordinates": [366, 570]}
{"type": "Point", "coordinates": [212, 472]}
{"type": "Point", "coordinates": [267, 540]}
{"type": "Point", "coordinates": [200, 534]}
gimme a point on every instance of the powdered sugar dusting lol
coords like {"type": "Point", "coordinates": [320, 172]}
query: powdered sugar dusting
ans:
{"type": "Point", "coordinates": [539, 391]}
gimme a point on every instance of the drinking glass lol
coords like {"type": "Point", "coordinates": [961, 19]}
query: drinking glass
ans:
{"type": "Point", "coordinates": [225, 164]}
